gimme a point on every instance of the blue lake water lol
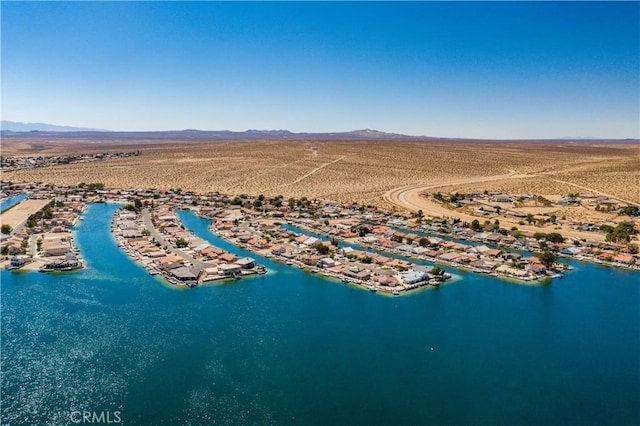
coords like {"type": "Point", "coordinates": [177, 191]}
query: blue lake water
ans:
{"type": "Point", "coordinates": [9, 202]}
{"type": "Point", "coordinates": [294, 348]}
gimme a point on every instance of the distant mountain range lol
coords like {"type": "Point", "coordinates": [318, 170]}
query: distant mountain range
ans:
{"type": "Point", "coordinates": [13, 126]}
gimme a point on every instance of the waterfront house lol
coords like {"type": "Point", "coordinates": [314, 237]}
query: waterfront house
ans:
{"type": "Point", "coordinates": [538, 268]}
{"type": "Point", "coordinates": [326, 262]}
{"type": "Point", "coordinates": [55, 245]}
{"type": "Point", "coordinates": [483, 265]}
{"type": "Point", "coordinates": [449, 257]}
{"type": "Point", "coordinates": [492, 252]}
{"type": "Point", "coordinates": [277, 249]}
{"type": "Point", "coordinates": [412, 276]}
{"type": "Point", "coordinates": [246, 262]}
{"type": "Point", "coordinates": [310, 260]}
{"type": "Point", "coordinates": [209, 252]}
{"type": "Point", "coordinates": [386, 281]}
{"type": "Point", "coordinates": [380, 259]}
{"type": "Point", "coordinates": [572, 251]}
{"type": "Point", "coordinates": [494, 238]}
{"type": "Point", "coordinates": [185, 274]}
{"type": "Point", "coordinates": [431, 253]}
{"type": "Point", "coordinates": [229, 269]}
{"type": "Point", "coordinates": [301, 239]}
{"type": "Point", "coordinates": [419, 250]}
{"type": "Point", "coordinates": [18, 261]}
{"type": "Point", "coordinates": [626, 259]}
{"type": "Point", "coordinates": [398, 264]}
{"type": "Point", "coordinates": [228, 257]}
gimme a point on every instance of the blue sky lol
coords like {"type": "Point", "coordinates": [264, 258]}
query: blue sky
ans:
{"type": "Point", "coordinates": [454, 69]}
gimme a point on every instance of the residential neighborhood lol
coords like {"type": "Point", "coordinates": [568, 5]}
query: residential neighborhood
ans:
{"type": "Point", "coordinates": [380, 250]}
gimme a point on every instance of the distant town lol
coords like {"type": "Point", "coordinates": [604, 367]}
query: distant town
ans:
{"type": "Point", "coordinates": [13, 163]}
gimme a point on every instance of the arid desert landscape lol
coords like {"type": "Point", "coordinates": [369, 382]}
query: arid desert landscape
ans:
{"type": "Point", "coordinates": [343, 171]}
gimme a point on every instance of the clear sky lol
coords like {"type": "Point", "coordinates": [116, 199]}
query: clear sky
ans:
{"type": "Point", "coordinates": [454, 69]}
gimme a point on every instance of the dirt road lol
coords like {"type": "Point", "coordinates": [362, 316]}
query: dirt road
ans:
{"type": "Point", "coordinates": [408, 197]}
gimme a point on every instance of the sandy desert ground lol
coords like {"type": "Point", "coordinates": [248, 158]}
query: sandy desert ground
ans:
{"type": "Point", "coordinates": [344, 171]}
{"type": "Point", "coordinates": [21, 212]}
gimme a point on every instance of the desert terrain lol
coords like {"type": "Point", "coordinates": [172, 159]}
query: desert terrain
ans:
{"type": "Point", "coordinates": [343, 171]}
{"type": "Point", "coordinates": [19, 214]}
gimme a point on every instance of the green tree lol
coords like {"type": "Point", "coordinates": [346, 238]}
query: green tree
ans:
{"type": "Point", "coordinates": [181, 242]}
{"type": "Point", "coordinates": [621, 233]}
{"type": "Point", "coordinates": [436, 270]}
{"type": "Point", "coordinates": [540, 236]}
{"type": "Point", "coordinates": [362, 230]}
{"type": "Point", "coordinates": [423, 242]}
{"type": "Point", "coordinates": [321, 248]}
{"type": "Point", "coordinates": [554, 237]}
{"type": "Point", "coordinates": [95, 186]}
{"type": "Point", "coordinates": [6, 228]}
{"type": "Point", "coordinates": [475, 225]}
{"type": "Point", "coordinates": [630, 211]}
{"type": "Point", "coordinates": [548, 258]}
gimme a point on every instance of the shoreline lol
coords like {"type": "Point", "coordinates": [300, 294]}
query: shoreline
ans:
{"type": "Point", "coordinates": [436, 261]}
{"type": "Point", "coordinates": [194, 273]}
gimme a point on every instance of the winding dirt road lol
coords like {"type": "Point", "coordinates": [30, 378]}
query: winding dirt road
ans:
{"type": "Point", "coordinates": [408, 197]}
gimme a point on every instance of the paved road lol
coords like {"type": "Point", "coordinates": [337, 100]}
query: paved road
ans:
{"type": "Point", "coordinates": [33, 244]}
{"type": "Point", "coordinates": [155, 234]}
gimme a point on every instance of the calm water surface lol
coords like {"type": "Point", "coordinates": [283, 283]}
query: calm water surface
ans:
{"type": "Point", "coordinates": [9, 202]}
{"type": "Point", "coordinates": [293, 348]}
